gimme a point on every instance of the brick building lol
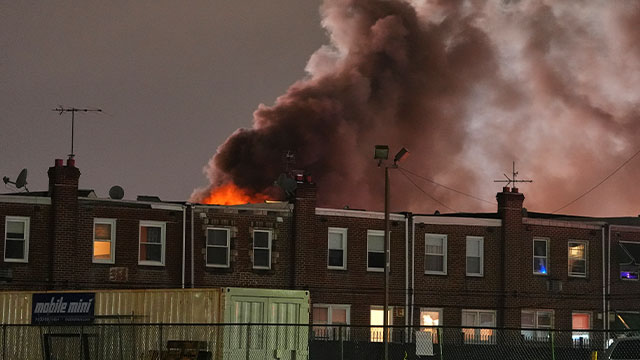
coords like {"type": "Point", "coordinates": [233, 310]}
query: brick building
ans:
{"type": "Point", "coordinates": [511, 268]}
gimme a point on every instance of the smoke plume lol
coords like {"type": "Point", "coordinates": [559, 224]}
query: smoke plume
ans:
{"type": "Point", "coordinates": [468, 87]}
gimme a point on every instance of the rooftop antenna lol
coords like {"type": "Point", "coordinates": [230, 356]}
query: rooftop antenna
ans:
{"type": "Point", "coordinates": [73, 112]}
{"type": "Point", "coordinates": [514, 178]}
{"type": "Point", "coordinates": [21, 181]}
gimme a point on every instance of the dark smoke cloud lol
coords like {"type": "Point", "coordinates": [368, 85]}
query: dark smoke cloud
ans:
{"type": "Point", "coordinates": [468, 87]}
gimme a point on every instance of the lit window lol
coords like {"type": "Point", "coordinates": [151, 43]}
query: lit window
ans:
{"type": "Point", "coordinates": [337, 249]}
{"type": "Point", "coordinates": [475, 256]}
{"type": "Point", "coordinates": [628, 255]}
{"type": "Point", "coordinates": [324, 314]}
{"type": "Point", "coordinates": [536, 319]}
{"type": "Point", "coordinates": [218, 247]}
{"type": "Point", "coordinates": [152, 243]}
{"type": "Point", "coordinates": [375, 250]}
{"type": "Point", "coordinates": [580, 321]}
{"type": "Point", "coordinates": [377, 320]}
{"type": "Point", "coordinates": [540, 249]}
{"type": "Point", "coordinates": [429, 318]}
{"type": "Point", "coordinates": [16, 239]}
{"type": "Point", "coordinates": [435, 254]}
{"type": "Point", "coordinates": [104, 240]}
{"type": "Point", "coordinates": [262, 249]}
{"type": "Point", "coordinates": [479, 319]}
{"type": "Point", "coordinates": [577, 258]}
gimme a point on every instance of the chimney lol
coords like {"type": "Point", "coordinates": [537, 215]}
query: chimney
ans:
{"type": "Point", "coordinates": [63, 190]}
{"type": "Point", "coordinates": [304, 212]}
{"type": "Point", "coordinates": [513, 258]}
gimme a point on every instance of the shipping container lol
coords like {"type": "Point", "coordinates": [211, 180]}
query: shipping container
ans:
{"type": "Point", "coordinates": [221, 323]}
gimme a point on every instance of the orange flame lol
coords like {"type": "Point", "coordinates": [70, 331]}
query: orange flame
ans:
{"type": "Point", "coordinates": [230, 194]}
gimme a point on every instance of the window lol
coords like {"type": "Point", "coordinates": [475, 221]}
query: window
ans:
{"type": "Point", "coordinates": [536, 319]}
{"type": "Point", "coordinates": [375, 250]}
{"type": "Point", "coordinates": [377, 319]}
{"type": "Point", "coordinates": [578, 258]}
{"type": "Point", "coordinates": [104, 241]}
{"type": "Point", "coordinates": [428, 318]}
{"type": "Point", "coordinates": [218, 247]}
{"type": "Point", "coordinates": [628, 255]}
{"type": "Point", "coordinates": [475, 255]}
{"type": "Point", "coordinates": [16, 239]}
{"type": "Point", "coordinates": [324, 314]}
{"type": "Point", "coordinates": [540, 255]}
{"type": "Point", "coordinates": [479, 319]}
{"type": "Point", "coordinates": [435, 254]}
{"type": "Point", "coordinates": [337, 249]}
{"type": "Point", "coordinates": [580, 321]}
{"type": "Point", "coordinates": [262, 249]}
{"type": "Point", "coordinates": [152, 242]}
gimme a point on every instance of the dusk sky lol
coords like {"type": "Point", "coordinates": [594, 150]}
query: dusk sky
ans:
{"type": "Point", "coordinates": [174, 80]}
{"type": "Point", "coordinates": [467, 86]}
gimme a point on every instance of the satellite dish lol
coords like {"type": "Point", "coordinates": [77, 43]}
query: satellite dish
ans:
{"type": "Point", "coordinates": [21, 181]}
{"type": "Point", "coordinates": [116, 192]}
{"type": "Point", "coordinates": [287, 184]}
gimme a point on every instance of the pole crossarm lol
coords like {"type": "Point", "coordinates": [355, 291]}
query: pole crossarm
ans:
{"type": "Point", "coordinates": [61, 109]}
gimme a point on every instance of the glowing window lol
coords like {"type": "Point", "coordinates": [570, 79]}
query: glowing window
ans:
{"type": "Point", "coordinates": [483, 322]}
{"type": "Point", "coordinates": [429, 318]}
{"type": "Point", "coordinates": [577, 258]}
{"type": "Point", "coordinates": [104, 240]}
{"type": "Point", "coordinates": [580, 321]}
{"type": "Point", "coordinates": [377, 319]}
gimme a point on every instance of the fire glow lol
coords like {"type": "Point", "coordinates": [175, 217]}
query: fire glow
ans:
{"type": "Point", "coordinates": [230, 194]}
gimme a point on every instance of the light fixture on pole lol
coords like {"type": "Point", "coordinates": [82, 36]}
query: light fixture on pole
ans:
{"type": "Point", "coordinates": [382, 153]}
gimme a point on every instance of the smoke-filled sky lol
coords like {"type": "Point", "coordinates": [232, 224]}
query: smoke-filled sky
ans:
{"type": "Point", "coordinates": [467, 86]}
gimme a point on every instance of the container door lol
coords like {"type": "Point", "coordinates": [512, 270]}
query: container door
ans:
{"type": "Point", "coordinates": [245, 342]}
{"type": "Point", "coordinates": [288, 342]}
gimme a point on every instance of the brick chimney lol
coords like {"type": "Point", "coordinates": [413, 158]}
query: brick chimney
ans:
{"type": "Point", "coordinates": [304, 213]}
{"type": "Point", "coordinates": [63, 190]}
{"type": "Point", "coordinates": [512, 248]}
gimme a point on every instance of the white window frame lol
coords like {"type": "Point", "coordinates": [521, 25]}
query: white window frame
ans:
{"type": "Point", "coordinates": [535, 328]}
{"type": "Point", "coordinates": [586, 258]}
{"type": "Point", "coordinates": [112, 241]}
{"type": "Point", "coordinates": [380, 328]}
{"type": "Point", "coordinates": [163, 241]}
{"type": "Point", "coordinates": [269, 248]}
{"type": "Point", "coordinates": [442, 237]}
{"type": "Point", "coordinates": [27, 222]}
{"type": "Point", "coordinates": [332, 333]}
{"type": "Point", "coordinates": [343, 232]}
{"type": "Point", "coordinates": [545, 257]}
{"type": "Point", "coordinates": [580, 333]}
{"type": "Point", "coordinates": [480, 240]}
{"type": "Point", "coordinates": [433, 329]}
{"type": "Point", "coordinates": [227, 246]}
{"type": "Point", "coordinates": [476, 335]}
{"type": "Point", "coordinates": [378, 233]}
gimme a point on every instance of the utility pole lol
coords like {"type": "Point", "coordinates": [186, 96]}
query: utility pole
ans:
{"type": "Point", "coordinates": [73, 112]}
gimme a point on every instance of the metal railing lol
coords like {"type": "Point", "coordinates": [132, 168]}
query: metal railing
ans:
{"type": "Point", "coordinates": [313, 342]}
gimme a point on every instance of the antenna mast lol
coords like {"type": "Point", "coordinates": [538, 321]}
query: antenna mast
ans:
{"type": "Point", "coordinates": [513, 180]}
{"type": "Point", "coordinates": [73, 112]}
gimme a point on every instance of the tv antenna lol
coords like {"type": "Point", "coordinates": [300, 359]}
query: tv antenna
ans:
{"type": "Point", "coordinates": [21, 181]}
{"type": "Point", "coordinates": [514, 178]}
{"type": "Point", "coordinates": [73, 112]}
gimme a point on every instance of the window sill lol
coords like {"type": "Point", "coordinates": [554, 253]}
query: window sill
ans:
{"type": "Point", "coordinates": [339, 268]}
{"type": "Point", "coordinates": [17, 261]}
{"type": "Point", "coordinates": [540, 274]}
{"type": "Point", "coordinates": [375, 270]}
{"type": "Point", "coordinates": [103, 262]}
{"type": "Point", "coordinates": [475, 275]}
{"type": "Point", "coordinates": [435, 273]}
{"type": "Point", "coordinates": [148, 263]}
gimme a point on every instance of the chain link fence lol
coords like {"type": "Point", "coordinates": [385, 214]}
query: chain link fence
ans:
{"type": "Point", "coordinates": [313, 342]}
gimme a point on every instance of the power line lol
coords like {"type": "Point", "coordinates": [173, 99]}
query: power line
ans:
{"type": "Point", "coordinates": [600, 183]}
{"type": "Point", "coordinates": [448, 188]}
{"type": "Point", "coordinates": [402, 171]}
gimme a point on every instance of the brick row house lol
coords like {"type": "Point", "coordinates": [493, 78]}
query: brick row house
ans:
{"type": "Point", "coordinates": [510, 269]}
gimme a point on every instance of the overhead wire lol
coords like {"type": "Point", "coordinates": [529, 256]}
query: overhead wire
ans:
{"type": "Point", "coordinates": [600, 183]}
{"type": "Point", "coordinates": [424, 192]}
{"type": "Point", "coordinates": [446, 187]}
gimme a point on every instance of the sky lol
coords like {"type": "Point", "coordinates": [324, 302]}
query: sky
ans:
{"type": "Point", "coordinates": [173, 80]}
{"type": "Point", "coordinates": [468, 87]}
